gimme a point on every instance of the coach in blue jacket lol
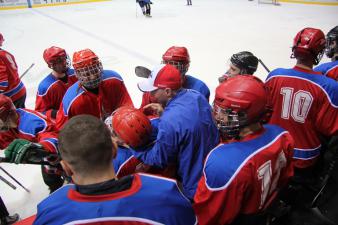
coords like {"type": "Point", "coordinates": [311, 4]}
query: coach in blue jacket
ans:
{"type": "Point", "coordinates": [186, 130]}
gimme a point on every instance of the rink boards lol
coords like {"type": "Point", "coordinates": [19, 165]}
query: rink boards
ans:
{"type": "Point", "coordinates": [21, 4]}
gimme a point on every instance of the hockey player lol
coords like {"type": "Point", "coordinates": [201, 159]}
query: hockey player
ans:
{"type": "Point", "coordinates": [97, 196]}
{"type": "Point", "coordinates": [53, 87]}
{"type": "Point", "coordinates": [240, 63]}
{"type": "Point", "coordinates": [186, 131]}
{"type": "Point", "coordinates": [189, 2]}
{"type": "Point", "coordinates": [132, 130]}
{"type": "Point", "coordinates": [179, 57]}
{"type": "Point", "coordinates": [145, 7]}
{"type": "Point", "coordinates": [304, 102]}
{"type": "Point", "coordinates": [10, 83]}
{"type": "Point", "coordinates": [98, 92]}
{"type": "Point", "coordinates": [330, 69]}
{"type": "Point", "coordinates": [242, 175]}
{"type": "Point", "coordinates": [19, 128]}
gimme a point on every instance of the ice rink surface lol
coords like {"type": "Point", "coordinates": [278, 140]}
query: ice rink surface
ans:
{"type": "Point", "coordinates": [123, 38]}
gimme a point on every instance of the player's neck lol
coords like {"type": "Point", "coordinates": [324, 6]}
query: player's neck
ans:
{"type": "Point", "coordinates": [251, 129]}
{"type": "Point", "coordinates": [95, 178]}
{"type": "Point", "coordinates": [58, 75]}
{"type": "Point", "coordinates": [305, 65]}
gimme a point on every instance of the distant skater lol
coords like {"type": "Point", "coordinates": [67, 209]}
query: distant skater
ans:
{"type": "Point", "coordinates": [145, 6]}
{"type": "Point", "coordinates": [189, 2]}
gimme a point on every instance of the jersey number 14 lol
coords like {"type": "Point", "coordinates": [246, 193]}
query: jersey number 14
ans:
{"type": "Point", "coordinates": [270, 176]}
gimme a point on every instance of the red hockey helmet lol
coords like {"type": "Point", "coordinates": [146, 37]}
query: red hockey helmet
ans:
{"type": "Point", "coordinates": [1, 39]}
{"type": "Point", "coordinates": [132, 126]}
{"type": "Point", "coordinates": [50, 55]}
{"type": "Point", "coordinates": [239, 101]}
{"type": "Point", "coordinates": [6, 108]}
{"type": "Point", "coordinates": [177, 56]}
{"type": "Point", "coordinates": [88, 68]}
{"type": "Point", "coordinates": [309, 43]}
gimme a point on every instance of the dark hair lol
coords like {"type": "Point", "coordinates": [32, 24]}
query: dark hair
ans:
{"type": "Point", "coordinates": [85, 143]}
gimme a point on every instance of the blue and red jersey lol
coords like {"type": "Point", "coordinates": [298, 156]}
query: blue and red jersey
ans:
{"type": "Point", "coordinates": [244, 176]}
{"type": "Point", "coordinates": [329, 69]}
{"type": "Point", "coordinates": [32, 126]}
{"type": "Point", "coordinates": [111, 95]}
{"type": "Point", "coordinates": [10, 83]}
{"type": "Point", "coordinates": [189, 83]}
{"type": "Point", "coordinates": [149, 200]}
{"type": "Point", "coordinates": [51, 91]}
{"type": "Point", "coordinates": [305, 104]}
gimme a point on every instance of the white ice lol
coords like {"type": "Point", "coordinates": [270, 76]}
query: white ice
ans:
{"type": "Point", "coordinates": [123, 38]}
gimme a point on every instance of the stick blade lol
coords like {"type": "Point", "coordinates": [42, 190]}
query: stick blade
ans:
{"type": "Point", "coordinates": [142, 71]}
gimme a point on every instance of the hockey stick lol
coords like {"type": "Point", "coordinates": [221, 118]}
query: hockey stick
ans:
{"type": "Point", "coordinates": [265, 67]}
{"type": "Point", "coordinates": [26, 71]}
{"type": "Point", "coordinates": [142, 71]}
{"type": "Point", "coordinates": [7, 182]}
{"type": "Point", "coordinates": [42, 162]}
{"type": "Point", "coordinates": [14, 179]}
{"type": "Point", "coordinates": [326, 178]}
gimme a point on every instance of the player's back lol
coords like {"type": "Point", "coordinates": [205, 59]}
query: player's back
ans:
{"type": "Point", "coordinates": [241, 178]}
{"type": "Point", "coordinates": [149, 200]}
{"type": "Point", "coordinates": [304, 103]}
{"type": "Point", "coordinates": [10, 83]}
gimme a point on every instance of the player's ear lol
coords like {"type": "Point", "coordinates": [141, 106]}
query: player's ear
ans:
{"type": "Point", "coordinates": [67, 168]}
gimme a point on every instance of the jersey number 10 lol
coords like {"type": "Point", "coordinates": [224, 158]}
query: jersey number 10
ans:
{"type": "Point", "coordinates": [298, 104]}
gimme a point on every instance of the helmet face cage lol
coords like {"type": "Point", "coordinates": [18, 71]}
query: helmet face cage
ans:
{"type": "Point", "coordinates": [109, 123]}
{"type": "Point", "coordinates": [229, 122]}
{"type": "Point", "coordinates": [4, 119]}
{"type": "Point", "coordinates": [90, 75]}
{"type": "Point", "coordinates": [181, 66]}
{"type": "Point", "coordinates": [318, 57]}
{"type": "Point", "coordinates": [4, 125]}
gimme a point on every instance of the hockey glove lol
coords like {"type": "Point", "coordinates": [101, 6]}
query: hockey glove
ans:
{"type": "Point", "coordinates": [16, 151]}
